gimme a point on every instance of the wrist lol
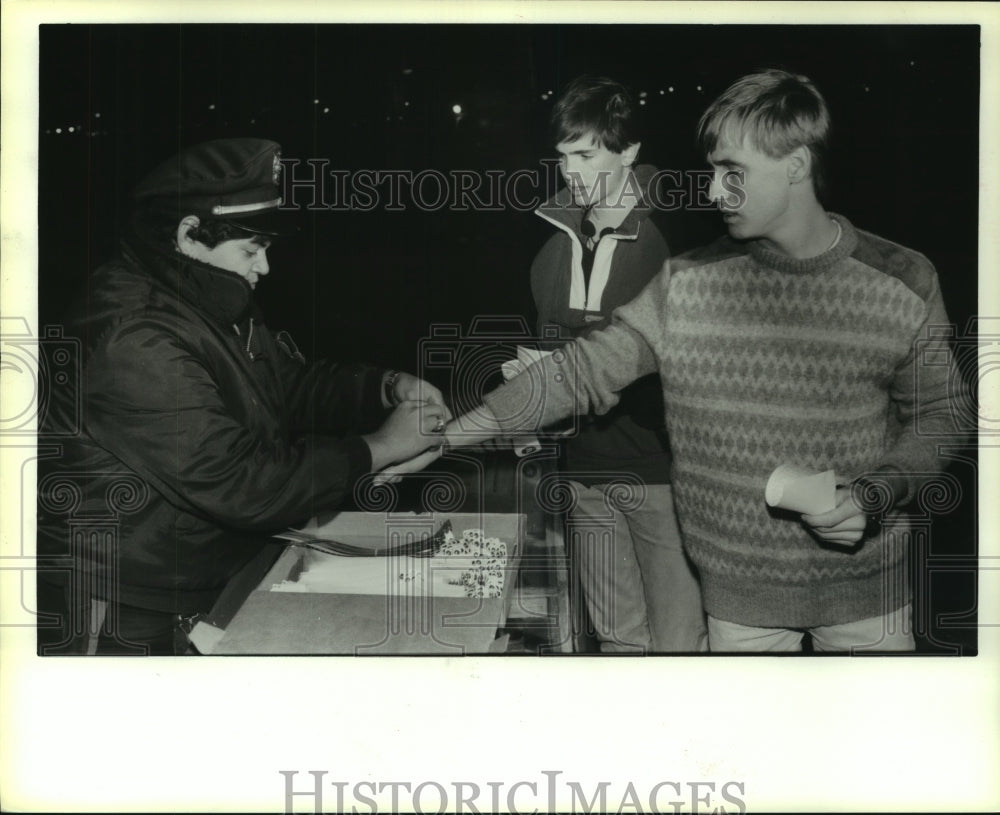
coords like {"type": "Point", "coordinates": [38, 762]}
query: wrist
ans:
{"type": "Point", "coordinates": [379, 451]}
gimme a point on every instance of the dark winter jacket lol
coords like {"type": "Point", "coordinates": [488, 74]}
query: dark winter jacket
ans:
{"type": "Point", "coordinates": [193, 432]}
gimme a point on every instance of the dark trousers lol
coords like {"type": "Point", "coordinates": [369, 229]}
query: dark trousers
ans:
{"type": "Point", "coordinates": [70, 625]}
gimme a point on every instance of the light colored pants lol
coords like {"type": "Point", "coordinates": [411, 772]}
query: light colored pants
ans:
{"type": "Point", "coordinates": [640, 589]}
{"type": "Point", "coordinates": [888, 632]}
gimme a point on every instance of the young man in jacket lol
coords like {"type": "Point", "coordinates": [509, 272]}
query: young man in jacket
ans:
{"type": "Point", "coordinates": [202, 432]}
{"type": "Point", "coordinates": [796, 339]}
{"type": "Point", "coordinates": [640, 590]}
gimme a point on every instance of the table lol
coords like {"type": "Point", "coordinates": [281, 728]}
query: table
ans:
{"type": "Point", "coordinates": [373, 613]}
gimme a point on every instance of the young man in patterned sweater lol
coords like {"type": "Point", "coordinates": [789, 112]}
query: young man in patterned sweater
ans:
{"type": "Point", "coordinates": [794, 340]}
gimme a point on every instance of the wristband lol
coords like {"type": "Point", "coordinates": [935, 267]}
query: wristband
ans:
{"type": "Point", "coordinates": [389, 388]}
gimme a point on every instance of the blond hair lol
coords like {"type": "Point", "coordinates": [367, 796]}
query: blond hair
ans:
{"type": "Point", "coordinates": [776, 112]}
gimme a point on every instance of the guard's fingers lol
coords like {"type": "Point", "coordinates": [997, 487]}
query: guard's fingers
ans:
{"type": "Point", "coordinates": [434, 397]}
{"type": "Point", "coordinates": [433, 421]}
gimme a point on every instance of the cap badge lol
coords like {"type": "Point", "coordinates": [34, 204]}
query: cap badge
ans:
{"type": "Point", "coordinates": [276, 168]}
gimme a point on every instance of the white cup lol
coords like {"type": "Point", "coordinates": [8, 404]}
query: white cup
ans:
{"type": "Point", "coordinates": [801, 490]}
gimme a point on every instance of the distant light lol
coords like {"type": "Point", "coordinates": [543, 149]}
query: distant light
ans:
{"type": "Point", "coordinates": [642, 101]}
{"type": "Point", "coordinates": [407, 71]}
{"type": "Point", "coordinates": [212, 106]}
{"type": "Point", "coordinates": [69, 129]}
{"type": "Point", "coordinates": [867, 89]}
{"type": "Point", "coordinates": [671, 89]}
{"type": "Point", "coordinates": [315, 101]}
{"type": "Point", "coordinates": [549, 92]}
{"type": "Point", "coordinates": [456, 109]}
{"type": "Point", "coordinates": [406, 104]}
{"type": "Point", "coordinates": [662, 91]}
{"type": "Point", "coordinates": [912, 63]}
{"type": "Point", "coordinates": [326, 110]}
{"type": "Point", "coordinates": [643, 94]}
{"type": "Point", "coordinates": [545, 96]}
{"type": "Point", "coordinates": [98, 115]}
{"type": "Point", "coordinates": [253, 121]}
{"type": "Point", "coordinates": [698, 88]}
{"type": "Point", "coordinates": [48, 131]}
{"type": "Point", "coordinates": [58, 130]}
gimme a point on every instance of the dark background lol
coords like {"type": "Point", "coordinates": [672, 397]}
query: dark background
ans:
{"type": "Point", "coordinates": [368, 285]}
{"type": "Point", "coordinates": [904, 102]}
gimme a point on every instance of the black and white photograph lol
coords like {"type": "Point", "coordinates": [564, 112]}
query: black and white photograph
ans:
{"type": "Point", "coordinates": [515, 411]}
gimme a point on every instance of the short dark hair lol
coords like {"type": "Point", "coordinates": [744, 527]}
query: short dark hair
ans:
{"type": "Point", "coordinates": [212, 232]}
{"type": "Point", "coordinates": [158, 222]}
{"type": "Point", "coordinates": [599, 105]}
{"type": "Point", "coordinates": [777, 112]}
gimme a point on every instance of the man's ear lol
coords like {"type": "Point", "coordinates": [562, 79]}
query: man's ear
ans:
{"type": "Point", "coordinates": [629, 154]}
{"type": "Point", "coordinates": [186, 243]}
{"type": "Point", "coordinates": [799, 165]}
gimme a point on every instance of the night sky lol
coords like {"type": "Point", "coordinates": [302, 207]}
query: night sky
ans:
{"type": "Point", "coordinates": [367, 285]}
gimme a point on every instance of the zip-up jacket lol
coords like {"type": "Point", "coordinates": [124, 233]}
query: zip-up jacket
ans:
{"type": "Point", "coordinates": [199, 434]}
{"type": "Point", "coordinates": [630, 438]}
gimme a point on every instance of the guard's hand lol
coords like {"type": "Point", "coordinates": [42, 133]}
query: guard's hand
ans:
{"type": "Point", "coordinates": [410, 388]}
{"type": "Point", "coordinates": [394, 473]}
{"type": "Point", "coordinates": [844, 525]}
{"type": "Point", "coordinates": [410, 429]}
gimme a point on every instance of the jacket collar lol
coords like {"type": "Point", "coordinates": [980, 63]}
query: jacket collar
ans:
{"type": "Point", "coordinates": [562, 209]}
{"type": "Point", "coordinates": [223, 296]}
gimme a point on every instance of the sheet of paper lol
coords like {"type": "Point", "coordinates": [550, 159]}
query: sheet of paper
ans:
{"type": "Point", "coordinates": [801, 490]}
{"type": "Point", "coordinates": [411, 576]}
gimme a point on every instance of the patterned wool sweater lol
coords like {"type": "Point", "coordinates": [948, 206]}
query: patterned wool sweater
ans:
{"type": "Point", "coordinates": [765, 359]}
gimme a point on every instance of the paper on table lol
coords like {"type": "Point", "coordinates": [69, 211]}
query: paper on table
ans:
{"type": "Point", "coordinates": [205, 636]}
{"type": "Point", "coordinates": [390, 576]}
{"type": "Point", "coordinates": [801, 490]}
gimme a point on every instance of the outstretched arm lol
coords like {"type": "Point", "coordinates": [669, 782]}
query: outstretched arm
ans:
{"type": "Point", "coordinates": [584, 375]}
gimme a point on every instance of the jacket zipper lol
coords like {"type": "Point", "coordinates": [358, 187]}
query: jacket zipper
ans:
{"type": "Point", "coordinates": [236, 328]}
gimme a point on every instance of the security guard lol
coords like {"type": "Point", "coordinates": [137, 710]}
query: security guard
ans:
{"type": "Point", "coordinates": [201, 433]}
